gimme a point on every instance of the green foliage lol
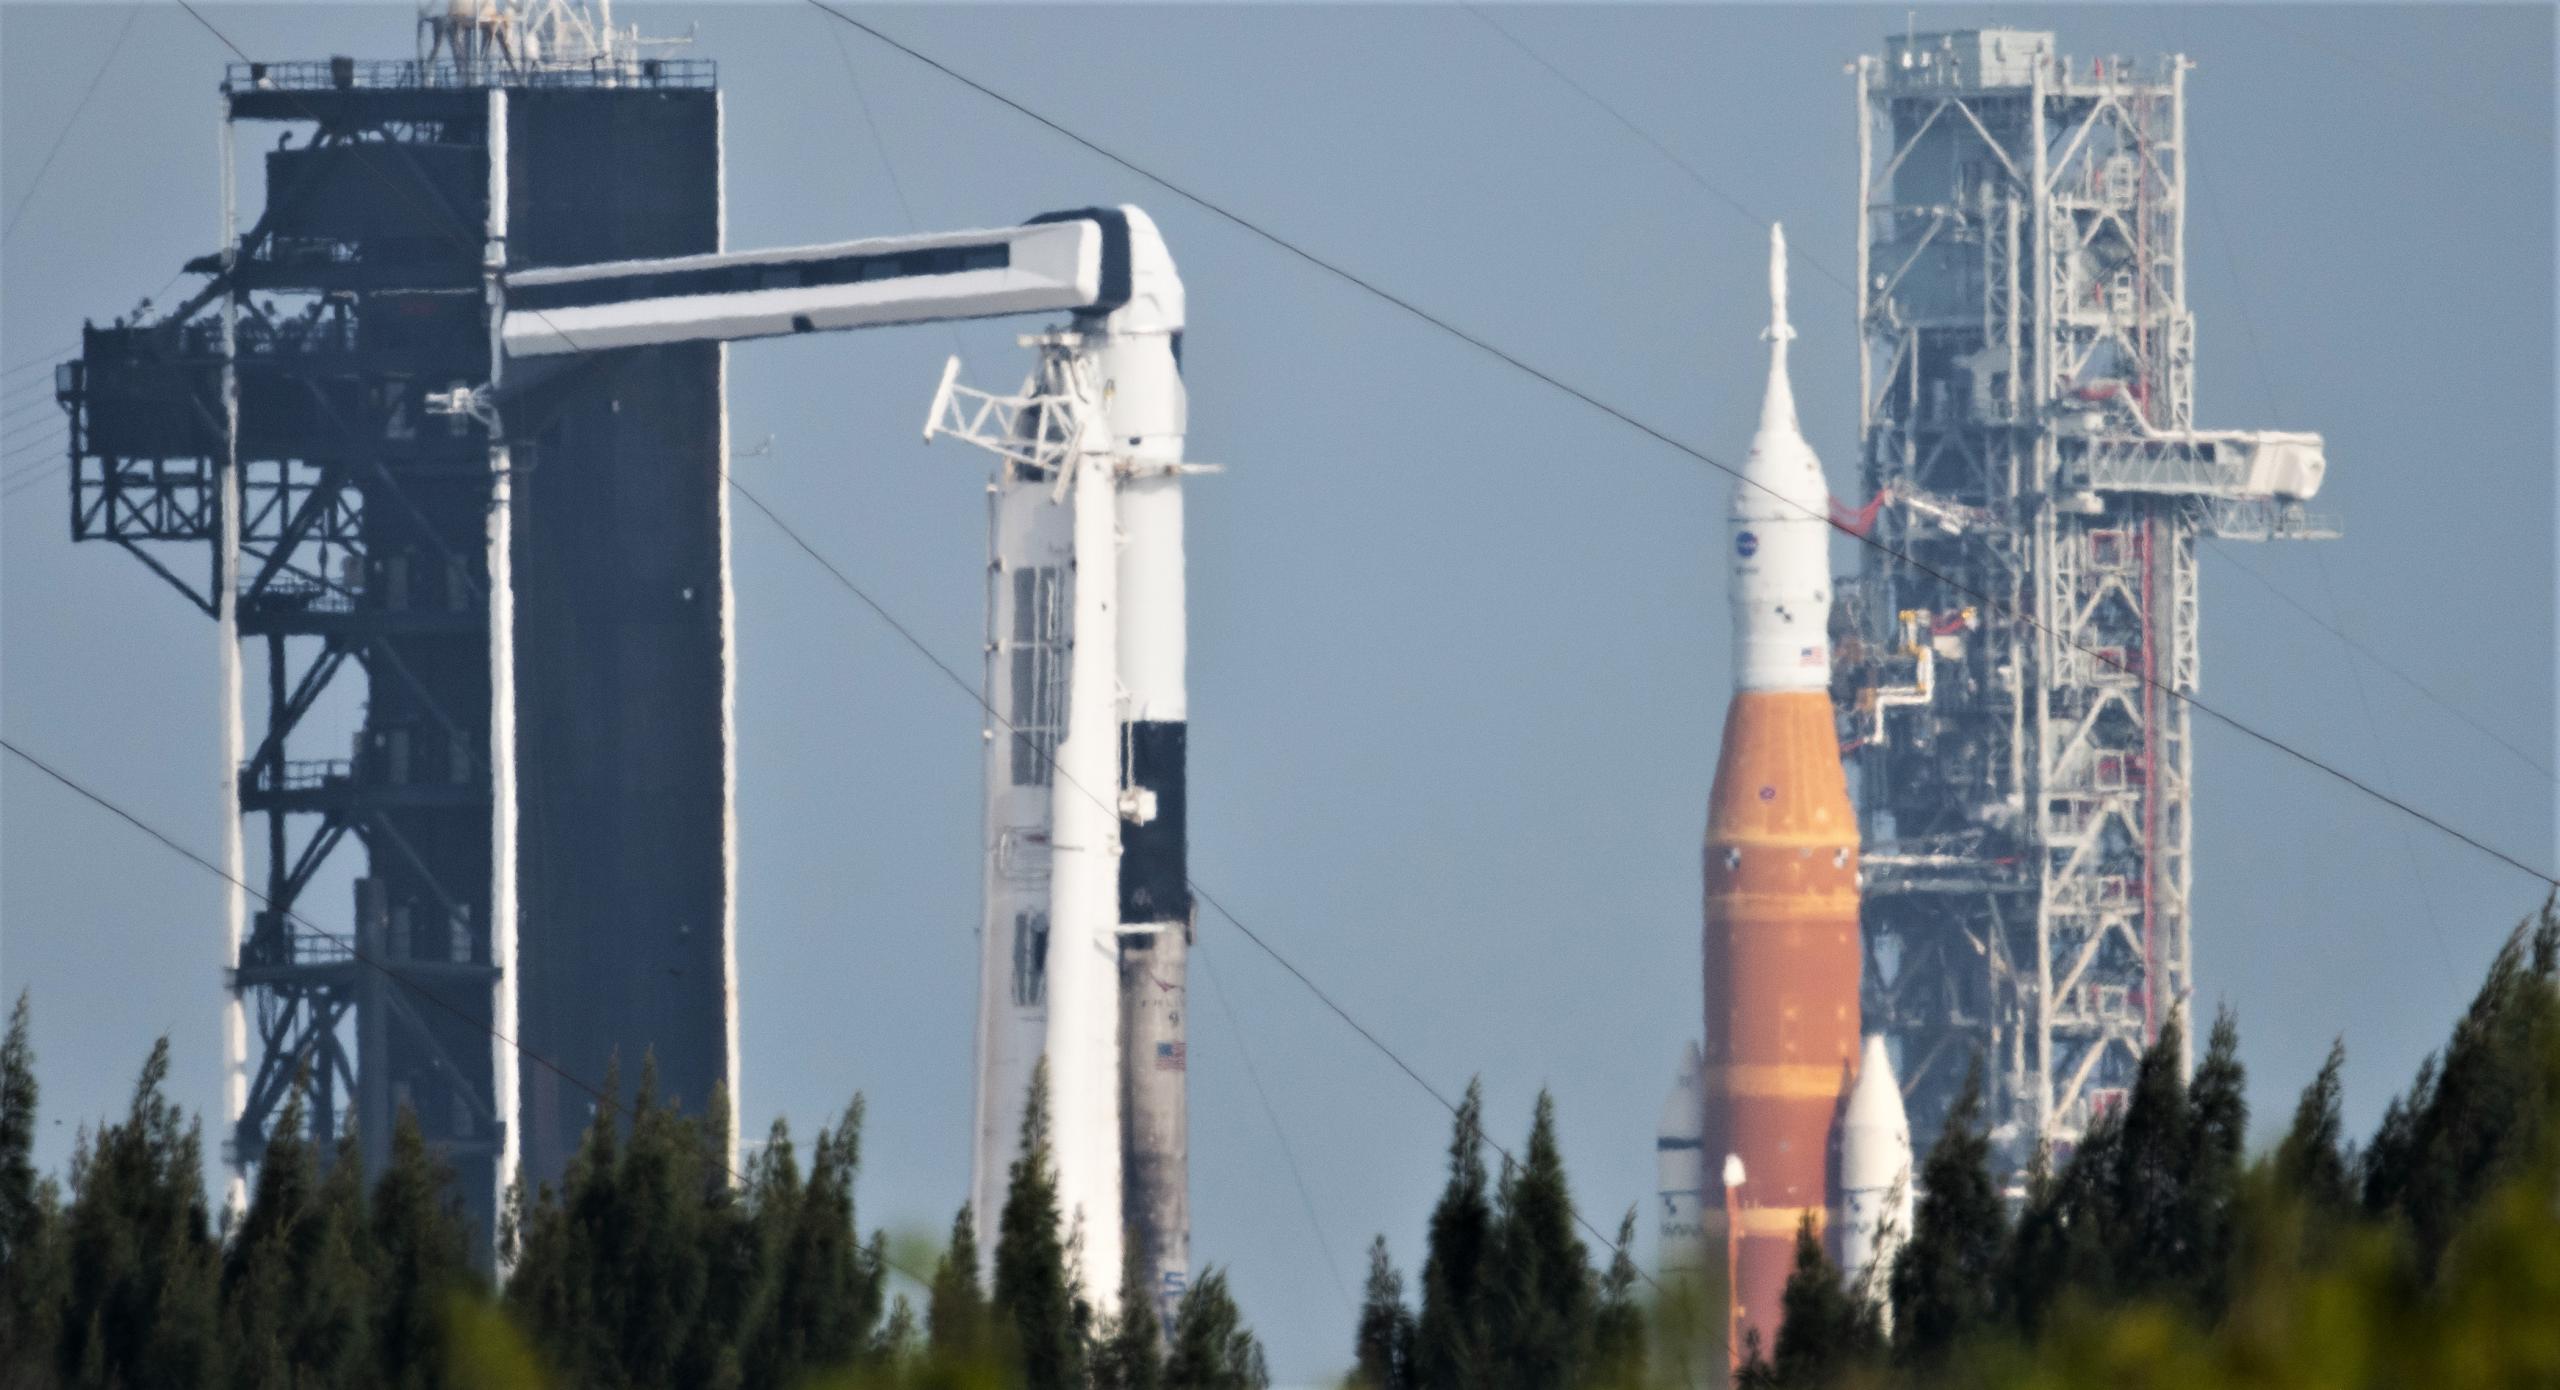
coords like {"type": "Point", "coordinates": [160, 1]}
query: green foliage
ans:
{"type": "Point", "coordinates": [1824, 1331]}
{"type": "Point", "coordinates": [2311, 1162]}
{"type": "Point", "coordinates": [1382, 1347]}
{"type": "Point", "coordinates": [1037, 1304]}
{"type": "Point", "coordinates": [1212, 1348]}
{"type": "Point", "coordinates": [141, 1306]}
{"type": "Point", "coordinates": [1452, 1343]}
{"type": "Point", "coordinates": [295, 1293]}
{"type": "Point", "coordinates": [1942, 1283]}
{"type": "Point", "coordinates": [1131, 1355]}
{"type": "Point", "coordinates": [1617, 1324]}
{"type": "Point", "coordinates": [959, 1326]}
{"type": "Point", "coordinates": [1544, 1292]}
{"type": "Point", "coordinates": [32, 1272]}
{"type": "Point", "coordinates": [2484, 1114]}
{"type": "Point", "coordinates": [418, 1261]}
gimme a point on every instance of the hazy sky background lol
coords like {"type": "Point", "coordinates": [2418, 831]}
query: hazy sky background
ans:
{"type": "Point", "coordinates": [1458, 645]}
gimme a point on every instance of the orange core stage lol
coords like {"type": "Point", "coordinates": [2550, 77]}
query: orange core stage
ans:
{"type": "Point", "coordinates": [1781, 985]}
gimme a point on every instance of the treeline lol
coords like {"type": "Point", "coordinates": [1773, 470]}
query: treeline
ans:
{"type": "Point", "coordinates": [2156, 1254]}
{"type": "Point", "coordinates": [652, 1264]}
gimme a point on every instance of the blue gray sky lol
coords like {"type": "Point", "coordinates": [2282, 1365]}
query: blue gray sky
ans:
{"type": "Point", "coordinates": [1458, 643]}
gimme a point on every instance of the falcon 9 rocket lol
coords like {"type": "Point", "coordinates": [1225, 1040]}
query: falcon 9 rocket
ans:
{"type": "Point", "coordinates": [1781, 868]}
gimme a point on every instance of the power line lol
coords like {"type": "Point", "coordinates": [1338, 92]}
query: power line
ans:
{"type": "Point", "coordinates": [611, 1104]}
{"type": "Point", "coordinates": [73, 123]}
{"type": "Point", "coordinates": [1658, 146]}
{"type": "Point", "coordinates": [42, 359]}
{"type": "Point", "coordinates": [1279, 1131]}
{"type": "Point", "coordinates": [26, 478]}
{"type": "Point", "coordinates": [961, 683]}
{"type": "Point", "coordinates": [1663, 437]}
{"type": "Point", "coordinates": [2384, 663]}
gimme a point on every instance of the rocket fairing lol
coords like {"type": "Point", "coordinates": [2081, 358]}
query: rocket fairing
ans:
{"type": "Point", "coordinates": [1781, 909]}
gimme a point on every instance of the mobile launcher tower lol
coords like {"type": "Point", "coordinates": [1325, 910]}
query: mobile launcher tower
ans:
{"type": "Point", "coordinates": [530, 632]}
{"type": "Point", "coordinates": [2013, 650]}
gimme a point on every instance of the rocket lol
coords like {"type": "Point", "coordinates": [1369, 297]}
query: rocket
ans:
{"type": "Point", "coordinates": [1781, 905]}
{"type": "Point", "coordinates": [1087, 893]}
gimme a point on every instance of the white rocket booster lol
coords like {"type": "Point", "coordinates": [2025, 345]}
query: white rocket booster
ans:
{"type": "Point", "coordinates": [1680, 1159]}
{"type": "Point", "coordinates": [1875, 1175]}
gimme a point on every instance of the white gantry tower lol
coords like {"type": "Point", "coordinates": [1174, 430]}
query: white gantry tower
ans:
{"type": "Point", "coordinates": [2016, 648]}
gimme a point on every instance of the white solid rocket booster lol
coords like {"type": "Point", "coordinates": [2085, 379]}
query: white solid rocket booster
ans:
{"type": "Point", "coordinates": [1875, 1174]}
{"type": "Point", "coordinates": [1680, 1160]}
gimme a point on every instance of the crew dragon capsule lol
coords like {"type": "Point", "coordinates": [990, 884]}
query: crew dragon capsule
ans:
{"type": "Point", "coordinates": [1782, 955]}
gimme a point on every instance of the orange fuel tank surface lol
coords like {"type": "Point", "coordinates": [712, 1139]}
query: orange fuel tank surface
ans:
{"type": "Point", "coordinates": [1781, 983]}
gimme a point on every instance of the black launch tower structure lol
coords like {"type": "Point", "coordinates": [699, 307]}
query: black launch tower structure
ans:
{"type": "Point", "coordinates": [481, 698]}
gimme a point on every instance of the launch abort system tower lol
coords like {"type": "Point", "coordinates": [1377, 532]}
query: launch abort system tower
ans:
{"type": "Point", "coordinates": [2015, 649]}
{"type": "Point", "coordinates": [477, 686]}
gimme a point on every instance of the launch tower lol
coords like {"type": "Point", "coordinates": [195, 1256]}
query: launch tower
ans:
{"type": "Point", "coordinates": [2012, 654]}
{"type": "Point", "coordinates": [476, 686]}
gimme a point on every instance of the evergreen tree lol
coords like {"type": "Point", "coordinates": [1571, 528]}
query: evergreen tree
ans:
{"type": "Point", "coordinates": [1131, 1356]}
{"type": "Point", "coordinates": [1451, 1343]}
{"type": "Point", "coordinates": [141, 1305]}
{"type": "Point", "coordinates": [901, 1340]}
{"type": "Point", "coordinates": [2477, 1120]}
{"type": "Point", "coordinates": [1212, 1348]}
{"type": "Point", "coordinates": [2217, 1142]}
{"type": "Point", "coordinates": [1941, 1284]}
{"type": "Point", "coordinates": [2146, 1235]}
{"type": "Point", "coordinates": [632, 1274]}
{"type": "Point", "coordinates": [1617, 1324]}
{"type": "Point", "coordinates": [958, 1327]}
{"type": "Point", "coordinates": [1382, 1353]}
{"type": "Point", "coordinates": [1824, 1331]}
{"type": "Point", "coordinates": [1544, 1295]}
{"type": "Point", "coordinates": [820, 1288]}
{"type": "Point", "coordinates": [1036, 1300]}
{"type": "Point", "coordinates": [295, 1310]}
{"type": "Point", "coordinates": [2311, 1162]}
{"type": "Point", "coordinates": [20, 1212]}
{"type": "Point", "coordinates": [31, 1268]}
{"type": "Point", "coordinates": [419, 1254]}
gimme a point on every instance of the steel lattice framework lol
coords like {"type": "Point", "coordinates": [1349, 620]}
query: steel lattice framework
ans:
{"type": "Point", "coordinates": [2013, 651]}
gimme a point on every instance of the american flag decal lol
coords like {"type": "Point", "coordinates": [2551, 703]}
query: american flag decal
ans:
{"type": "Point", "coordinates": [1169, 1056]}
{"type": "Point", "coordinates": [1810, 656]}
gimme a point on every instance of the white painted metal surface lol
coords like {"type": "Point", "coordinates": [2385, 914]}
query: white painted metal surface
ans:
{"type": "Point", "coordinates": [1083, 1044]}
{"type": "Point", "coordinates": [1680, 1161]}
{"type": "Point", "coordinates": [504, 1062]}
{"type": "Point", "coordinates": [1875, 1176]}
{"type": "Point", "coordinates": [1030, 555]}
{"type": "Point", "coordinates": [1779, 531]}
{"type": "Point", "coordinates": [756, 294]}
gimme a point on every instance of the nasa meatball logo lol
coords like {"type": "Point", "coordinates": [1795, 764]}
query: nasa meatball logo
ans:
{"type": "Point", "coordinates": [1745, 544]}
